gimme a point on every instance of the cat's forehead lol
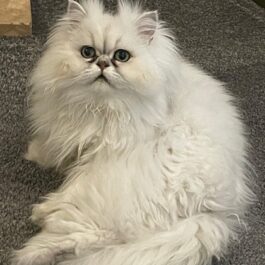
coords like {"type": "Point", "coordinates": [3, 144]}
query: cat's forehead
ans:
{"type": "Point", "coordinates": [107, 32]}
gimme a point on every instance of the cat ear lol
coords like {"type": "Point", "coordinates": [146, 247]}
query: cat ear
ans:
{"type": "Point", "coordinates": [75, 8]}
{"type": "Point", "coordinates": [147, 24]}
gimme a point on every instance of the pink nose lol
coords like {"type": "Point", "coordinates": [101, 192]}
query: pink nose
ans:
{"type": "Point", "coordinates": [102, 64]}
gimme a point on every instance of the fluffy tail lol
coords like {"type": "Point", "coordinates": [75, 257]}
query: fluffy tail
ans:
{"type": "Point", "coordinates": [193, 242]}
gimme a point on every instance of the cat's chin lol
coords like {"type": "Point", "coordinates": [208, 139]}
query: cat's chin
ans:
{"type": "Point", "coordinates": [102, 84]}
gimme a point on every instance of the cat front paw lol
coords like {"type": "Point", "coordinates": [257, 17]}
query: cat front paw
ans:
{"type": "Point", "coordinates": [35, 154]}
{"type": "Point", "coordinates": [39, 212]}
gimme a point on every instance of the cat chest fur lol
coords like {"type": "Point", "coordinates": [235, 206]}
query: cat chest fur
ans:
{"type": "Point", "coordinates": [138, 189]}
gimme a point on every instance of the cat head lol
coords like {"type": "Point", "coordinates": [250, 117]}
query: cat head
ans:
{"type": "Point", "coordinates": [96, 56]}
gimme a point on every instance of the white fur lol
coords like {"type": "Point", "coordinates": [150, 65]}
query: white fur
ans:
{"type": "Point", "coordinates": [155, 162]}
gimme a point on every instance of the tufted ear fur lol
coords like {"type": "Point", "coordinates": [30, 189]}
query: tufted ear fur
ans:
{"type": "Point", "coordinates": [147, 24]}
{"type": "Point", "coordinates": [75, 9]}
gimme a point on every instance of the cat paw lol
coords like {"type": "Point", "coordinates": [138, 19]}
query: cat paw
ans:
{"type": "Point", "coordinates": [48, 252]}
{"type": "Point", "coordinates": [39, 212]}
{"type": "Point", "coordinates": [33, 256]}
{"type": "Point", "coordinates": [35, 154]}
{"type": "Point", "coordinates": [33, 151]}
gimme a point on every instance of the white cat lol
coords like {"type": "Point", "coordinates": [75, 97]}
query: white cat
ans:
{"type": "Point", "coordinates": [152, 147]}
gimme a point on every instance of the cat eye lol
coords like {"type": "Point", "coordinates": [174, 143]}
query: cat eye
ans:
{"type": "Point", "coordinates": [88, 52]}
{"type": "Point", "coordinates": [122, 55]}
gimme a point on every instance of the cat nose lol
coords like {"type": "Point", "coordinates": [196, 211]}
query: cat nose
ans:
{"type": "Point", "coordinates": [102, 64]}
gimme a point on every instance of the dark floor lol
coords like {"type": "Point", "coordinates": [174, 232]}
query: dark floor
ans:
{"type": "Point", "coordinates": [224, 37]}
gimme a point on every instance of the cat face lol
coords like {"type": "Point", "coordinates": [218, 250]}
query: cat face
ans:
{"type": "Point", "coordinates": [91, 52]}
{"type": "Point", "coordinates": [110, 55]}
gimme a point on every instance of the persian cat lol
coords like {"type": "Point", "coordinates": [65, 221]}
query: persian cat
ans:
{"type": "Point", "coordinates": [153, 148]}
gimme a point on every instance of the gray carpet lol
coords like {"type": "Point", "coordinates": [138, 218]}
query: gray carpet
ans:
{"type": "Point", "coordinates": [224, 37]}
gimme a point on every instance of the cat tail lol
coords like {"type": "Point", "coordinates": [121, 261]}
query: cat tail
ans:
{"type": "Point", "coordinates": [193, 242]}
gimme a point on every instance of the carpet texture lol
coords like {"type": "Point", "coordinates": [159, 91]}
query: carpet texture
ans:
{"type": "Point", "coordinates": [224, 37]}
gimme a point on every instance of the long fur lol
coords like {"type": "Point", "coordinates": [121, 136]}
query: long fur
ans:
{"type": "Point", "coordinates": [155, 160]}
